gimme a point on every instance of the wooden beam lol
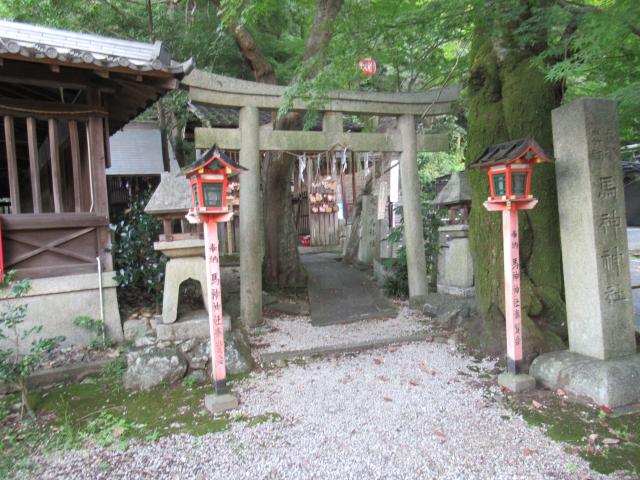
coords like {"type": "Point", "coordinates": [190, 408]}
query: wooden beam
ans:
{"type": "Point", "coordinates": [54, 152]}
{"type": "Point", "coordinates": [48, 221]}
{"type": "Point", "coordinates": [304, 141]}
{"type": "Point", "coordinates": [12, 165]}
{"type": "Point", "coordinates": [34, 165]}
{"type": "Point", "coordinates": [74, 141]}
{"type": "Point", "coordinates": [46, 110]}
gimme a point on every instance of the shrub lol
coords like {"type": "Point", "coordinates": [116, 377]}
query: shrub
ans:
{"type": "Point", "coordinates": [100, 342]}
{"type": "Point", "coordinates": [139, 268]}
{"type": "Point", "coordinates": [16, 367]}
{"type": "Point", "coordinates": [396, 283]}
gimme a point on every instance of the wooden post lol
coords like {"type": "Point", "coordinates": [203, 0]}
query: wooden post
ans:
{"type": "Point", "coordinates": [216, 324]}
{"type": "Point", "coordinates": [74, 141]}
{"type": "Point", "coordinates": [513, 313]}
{"type": "Point", "coordinates": [512, 305]}
{"type": "Point", "coordinates": [34, 165]}
{"type": "Point", "coordinates": [54, 154]}
{"type": "Point", "coordinates": [353, 185]}
{"type": "Point", "coordinates": [12, 165]}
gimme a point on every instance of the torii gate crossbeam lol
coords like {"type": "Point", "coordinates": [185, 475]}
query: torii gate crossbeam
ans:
{"type": "Point", "coordinates": [250, 139]}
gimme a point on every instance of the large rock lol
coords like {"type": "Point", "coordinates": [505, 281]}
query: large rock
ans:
{"type": "Point", "coordinates": [237, 353]}
{"type": "Point", "coordinates": [163, 366]}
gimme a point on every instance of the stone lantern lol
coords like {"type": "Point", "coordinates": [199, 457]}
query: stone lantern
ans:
{"type": "Point", "coordinates": [170, 202]}
{"type": "Point", "coordinates": [455, 266]}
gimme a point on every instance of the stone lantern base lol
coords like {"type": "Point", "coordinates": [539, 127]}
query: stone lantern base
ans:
{"type": "Point", "coordinates": [455, 265]}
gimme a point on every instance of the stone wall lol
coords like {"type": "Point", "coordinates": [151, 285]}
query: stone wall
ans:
{"type": "Point", "coordinates": [56, 302]}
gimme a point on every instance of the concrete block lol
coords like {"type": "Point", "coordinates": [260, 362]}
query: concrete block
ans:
{"type": "Point", "coordinates": [136, 328]}
{"type": "Point", "coordinates": [56, 301]}
{"type": "Point", "coordinates": [595, 255]}
{"type": "Point", "coordinates": [516, 383]}
{"type": "Point", "coordinates": [613, 382]}
{"type": "Point", "coordinates": [220, 403]}
{"type": "Point", "coordinates": [196, 327]}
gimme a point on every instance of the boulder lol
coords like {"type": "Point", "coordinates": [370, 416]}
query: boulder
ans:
{"type": "Point", "coordinates": [162, 366]}
{"type": "Point", "coordinates": [237, 353]}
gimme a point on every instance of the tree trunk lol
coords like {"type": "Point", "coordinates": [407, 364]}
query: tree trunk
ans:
{"type": "Point", "coordinates": [282, 267]}
{"type": "Point", "coordinates": [509, 99]}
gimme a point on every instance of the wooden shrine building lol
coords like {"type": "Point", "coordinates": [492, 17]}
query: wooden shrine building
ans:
{"type": "Point", "coordinates": [62, 94]}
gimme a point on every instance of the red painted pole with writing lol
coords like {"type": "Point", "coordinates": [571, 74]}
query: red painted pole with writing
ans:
{"type": "Point", "coordinates": [216, 323]}
{"type": "Point", "coordinates": [512, 305]}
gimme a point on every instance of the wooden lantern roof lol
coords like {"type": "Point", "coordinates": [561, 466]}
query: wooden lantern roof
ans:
{"type": "Point", "coordinates": [41, 66]}
{"type": "Point", "coordinates": [524, 150]}
{"type": "Point", "coordinates": [215, 159]}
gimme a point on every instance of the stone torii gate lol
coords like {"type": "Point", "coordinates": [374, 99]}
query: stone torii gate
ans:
{"type": "Point", "coordinates": [250, 139]}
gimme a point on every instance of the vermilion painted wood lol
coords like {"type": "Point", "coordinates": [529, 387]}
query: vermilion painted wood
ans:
{"type": "Point", "coordinates": [216, 324]}
{"type": "Point", "coordinates": [512, 305]}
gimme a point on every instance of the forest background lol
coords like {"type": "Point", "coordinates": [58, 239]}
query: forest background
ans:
{"type": "Point", "coordinates": [517, 60]}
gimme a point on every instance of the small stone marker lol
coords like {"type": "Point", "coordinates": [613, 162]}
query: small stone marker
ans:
{"type": "Point", "coordinates": [601, 363]}
{"type": "Point", "coordinates": [216, 403]}
{"type": "Point", "coordinates": [593, 229]}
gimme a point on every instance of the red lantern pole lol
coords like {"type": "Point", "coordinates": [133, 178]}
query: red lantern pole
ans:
{"type": "Point", "coordinates": [512, 305]}
{"type": "Point", "coordinates": [216, 324]}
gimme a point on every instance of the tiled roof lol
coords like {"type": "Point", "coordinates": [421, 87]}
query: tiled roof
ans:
{"type": "Point", "coordinates": [509, 151]}
{"type": "Point", "coordinates": [33, 41]}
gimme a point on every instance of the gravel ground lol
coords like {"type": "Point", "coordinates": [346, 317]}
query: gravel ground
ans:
{"type": "Point", "coordinates": [288, 333]}
{"type": "Point", "coordinates": [410, 412]}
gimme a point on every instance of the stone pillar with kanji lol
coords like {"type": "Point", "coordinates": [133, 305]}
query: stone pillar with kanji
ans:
{"type": "Point", "coordinates": [601, 363]}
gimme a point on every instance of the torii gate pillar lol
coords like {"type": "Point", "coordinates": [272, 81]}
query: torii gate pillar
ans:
{"type": "Point", "coordinates": [251, 234]}
{"type": "Point", "coordinates": [411, 213]}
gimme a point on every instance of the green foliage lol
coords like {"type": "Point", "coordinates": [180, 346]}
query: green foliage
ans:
{"type": "Point", "coordinates": [106, 430]}
{"type": "Point", "coordinates": [98, 329]}
{"type": "Point", "coordinates": [139, 268]}
{"type": "Point", "coordinates": [16, 366]}
{"type": "Point", "coordinates": [112, 372]}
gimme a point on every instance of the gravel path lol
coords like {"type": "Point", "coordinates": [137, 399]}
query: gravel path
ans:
{"type": "Point", "coordinates": [410, 412]}
{"type": "Point", "coordinates": [289, 333]}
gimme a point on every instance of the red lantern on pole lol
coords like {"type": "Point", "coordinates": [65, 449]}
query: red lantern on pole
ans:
{"type": "Point", "coordinates": [368, 66]}
{"type": "Point", "coordinates": [208, 177]}
{"type": "Point", "coordinates": [509, 167]}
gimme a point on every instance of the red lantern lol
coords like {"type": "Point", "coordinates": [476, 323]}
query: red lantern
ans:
{"type": "Point", "coordinates": [509, 168]}
{"type": "Point", "coordinates": [368, 66]}
{"type": "Point", "coordinates": [208, 178]}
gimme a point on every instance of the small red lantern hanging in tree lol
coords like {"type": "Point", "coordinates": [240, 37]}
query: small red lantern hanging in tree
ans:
{"type": "Point", "coordinates": [368, 66]}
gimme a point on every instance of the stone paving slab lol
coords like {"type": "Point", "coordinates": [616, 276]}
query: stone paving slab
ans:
{"type": "Point", "coordinates": [341, 294]}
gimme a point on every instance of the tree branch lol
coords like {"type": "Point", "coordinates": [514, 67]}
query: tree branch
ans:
{"type": "Point", "coordinates": [262, 70]}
